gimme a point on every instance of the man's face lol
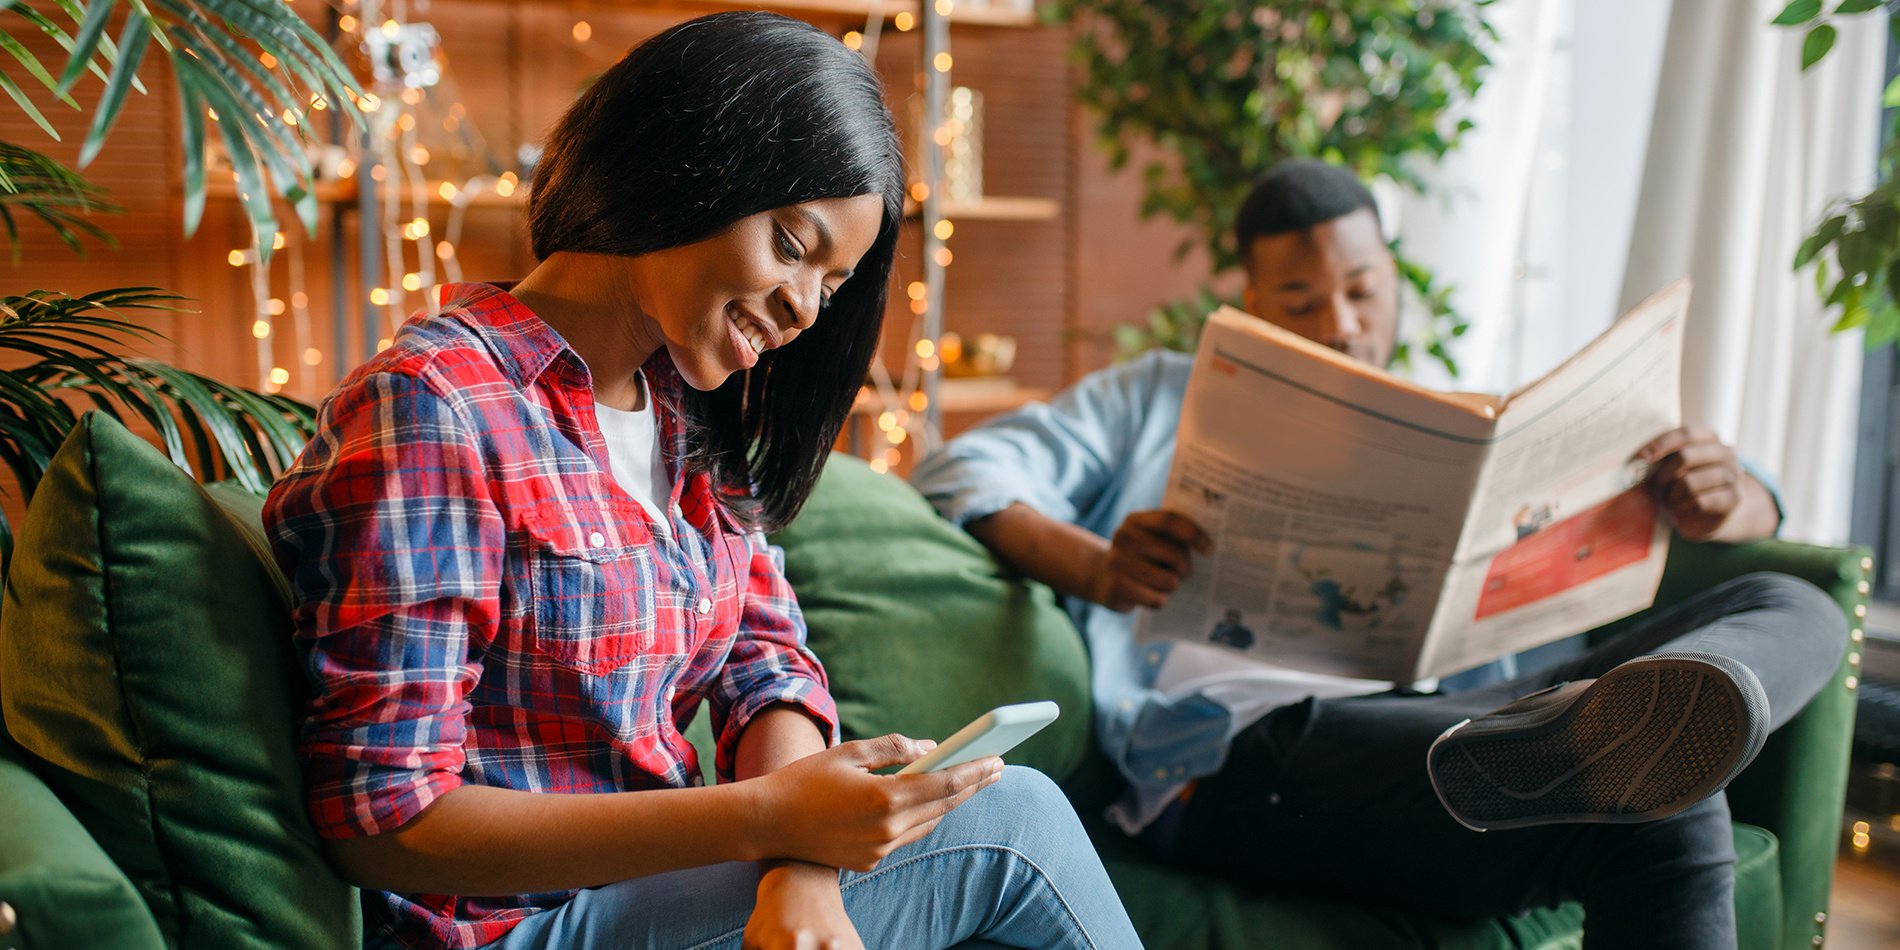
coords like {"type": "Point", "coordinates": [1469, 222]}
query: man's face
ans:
{"type": "Point", "coordinates": [1334, 283]}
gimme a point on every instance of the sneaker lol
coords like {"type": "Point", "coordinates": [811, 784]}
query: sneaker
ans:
{"type": "Point", "coordinates": [1644, 741]}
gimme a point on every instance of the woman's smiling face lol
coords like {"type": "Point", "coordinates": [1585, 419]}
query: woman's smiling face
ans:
{"type": "Point", "coordinates": [721, 302]}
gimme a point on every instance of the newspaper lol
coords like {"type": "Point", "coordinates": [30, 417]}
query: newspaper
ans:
{"type": "Point", "coordinates": [1367, 527]}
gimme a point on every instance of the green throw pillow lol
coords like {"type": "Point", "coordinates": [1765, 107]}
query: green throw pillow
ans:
{"type": "Point", "coordinates": [145, 652]}
{"type": "Point", "coordinates": [919, 629]}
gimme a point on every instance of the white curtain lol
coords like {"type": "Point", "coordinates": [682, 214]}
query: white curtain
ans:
{"type": "Point", "coordinates": [1744, 153]}
{"type": "Point", "coordinates": [1621, 144]}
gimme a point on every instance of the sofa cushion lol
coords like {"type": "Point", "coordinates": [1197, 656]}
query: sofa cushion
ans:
{"type": "Point", "coordinates": [147, 675]}
{"type": "Point", "coordinates": [62, 891]}
{"type": "Point", "coordinates": [919, 629]}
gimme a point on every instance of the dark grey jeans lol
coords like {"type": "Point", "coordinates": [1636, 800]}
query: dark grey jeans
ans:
{"type": "Point", "coordinates": [1330, 797]}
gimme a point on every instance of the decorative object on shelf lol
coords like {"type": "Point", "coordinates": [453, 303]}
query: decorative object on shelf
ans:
{"type": "Point", "coordinates": [962, 140]}
{"type": "Point", "coordinates": [1863, 232]}
{"type": "Point", "coordinates": [221, 53]}
{"type": "Point", "coordinates": [985, 355]}
{"type": "Point", "coordinates": [1226, 88]}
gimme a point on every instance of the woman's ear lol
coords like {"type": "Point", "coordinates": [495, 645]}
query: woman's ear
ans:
{"type": "Point", "coordinates": [1247, 301]}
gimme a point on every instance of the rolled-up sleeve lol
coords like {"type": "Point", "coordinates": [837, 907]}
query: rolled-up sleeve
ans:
{"type": "Point", "coordinates": [769, 662]}
{"type": "Point", "coordinates": [1056, 457]}
{"type": "Point", "coordinates": [393, 547]}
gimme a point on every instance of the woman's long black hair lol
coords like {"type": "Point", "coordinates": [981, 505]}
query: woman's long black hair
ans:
{"type": "Point", "coordinates": [714, 120]}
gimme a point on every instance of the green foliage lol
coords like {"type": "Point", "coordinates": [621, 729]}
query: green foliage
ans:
{"type": "Point", "coordinates": [214, 48]}
{"type": "Point", "coordinates": [1226, 88]}
{"type": "Point", "coordinates": [1861, 236]}
{"type": "Point", "coordinates": [35, 183]}
{"type": "Point", "coordinates": [207, 427]}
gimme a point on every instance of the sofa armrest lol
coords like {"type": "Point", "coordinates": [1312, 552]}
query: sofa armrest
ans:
{"type": "Point", "coordinates": [1797, 786]}
{"type": "Point", "coordinates": [62, 889]}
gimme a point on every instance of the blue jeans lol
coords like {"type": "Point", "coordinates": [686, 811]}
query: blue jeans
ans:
{"type": "Point", "coordinates": [1331, 798]}
{"type": "Point", "coordinates": [1011, 867]}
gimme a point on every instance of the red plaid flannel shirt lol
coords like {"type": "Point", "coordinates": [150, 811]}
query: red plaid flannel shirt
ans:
{"type": "Point", "coordinates": [479, 602]}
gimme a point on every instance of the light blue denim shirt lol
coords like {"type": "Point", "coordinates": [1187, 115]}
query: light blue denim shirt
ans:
{"type": "Point", "coordinates": [1091, 456]}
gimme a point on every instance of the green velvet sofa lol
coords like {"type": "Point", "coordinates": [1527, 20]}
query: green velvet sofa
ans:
{"type": "Point", "coordinates": [149, 796]}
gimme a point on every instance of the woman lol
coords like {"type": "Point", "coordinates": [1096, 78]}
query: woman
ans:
{"type": "Point", "coordinates": [525, 545]}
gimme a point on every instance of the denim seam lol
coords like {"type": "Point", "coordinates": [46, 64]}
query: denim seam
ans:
{"type": "Point", "coordinates": [1026, 859]}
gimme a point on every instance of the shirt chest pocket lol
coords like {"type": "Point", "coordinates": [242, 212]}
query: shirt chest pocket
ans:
{"type": "Point", "coordinates": [591, 599]}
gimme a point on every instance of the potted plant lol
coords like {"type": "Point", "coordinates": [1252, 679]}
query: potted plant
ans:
{"type": "Point", "coordinates": [253, 71]}
{"type": "Point", "coordinates": [1226, 88]}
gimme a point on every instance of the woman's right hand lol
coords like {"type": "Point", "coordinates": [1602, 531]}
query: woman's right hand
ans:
{"type": "Point", "coordinates": [830, 809]}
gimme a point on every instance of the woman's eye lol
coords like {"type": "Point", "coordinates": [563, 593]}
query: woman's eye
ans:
{"type": "Point", "coordinates": [787, 248]}
{"type": "Point", "coordinates": [1362, 293]}
{"type": "Point", "coordinates": [1299, 311]}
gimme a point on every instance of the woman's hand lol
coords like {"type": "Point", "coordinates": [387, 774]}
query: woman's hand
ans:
{"type": "Point", "coordinates": [829, 809]}
{"type": "Point", "coordinates": [800, 908]}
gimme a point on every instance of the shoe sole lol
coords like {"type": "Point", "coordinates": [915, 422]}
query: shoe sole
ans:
{"type": "Point", "coordinates": [1644, 741]}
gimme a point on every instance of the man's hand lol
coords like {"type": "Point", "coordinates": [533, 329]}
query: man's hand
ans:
{"type": "Point", "coordinates": [1149, 556]}
{"type": "Point", "coordinates": [1699, 482]}
{"type": "Point", "coordinates": [800, 908]}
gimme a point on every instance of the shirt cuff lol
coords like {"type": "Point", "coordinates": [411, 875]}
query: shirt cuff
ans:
{"type": "Point", "coordinates": [804, 693]}
{"type": "Point", "coordinates": [344, 808]}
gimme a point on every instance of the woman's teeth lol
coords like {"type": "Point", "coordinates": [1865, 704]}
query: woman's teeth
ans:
{"type": "Point", "coordinates": [751, 333]}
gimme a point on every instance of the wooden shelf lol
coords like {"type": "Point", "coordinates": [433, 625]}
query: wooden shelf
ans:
{"type": "Point", "coordinates": [996, 208]}
{"type": "Point", "coordinates": [964, 13]}
{"type": "Point", "coordinates": [345, 192]}
{"type": "Point", "coordinates": [986, 395]}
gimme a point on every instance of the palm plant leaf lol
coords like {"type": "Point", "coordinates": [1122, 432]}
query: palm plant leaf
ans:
{"type": "Point", "coordinates": [214, 48]}
{"type": "Point", "coordinates": [205, 426]}
{"type": "Point", "coordinates": [35, 183]}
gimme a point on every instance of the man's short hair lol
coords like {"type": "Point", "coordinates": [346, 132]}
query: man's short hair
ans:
{"type": "Point", "coordinates": [1296, 195]}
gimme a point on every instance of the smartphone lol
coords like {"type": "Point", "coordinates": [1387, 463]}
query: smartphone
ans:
{"type": "Point", "coordinates": [993, 733]}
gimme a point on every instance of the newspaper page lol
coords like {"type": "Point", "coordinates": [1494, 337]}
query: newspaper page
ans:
{"type": "Point", "coordinates": [1367, 527]}
{"type": "Point", "coordinates": [1562, 535]}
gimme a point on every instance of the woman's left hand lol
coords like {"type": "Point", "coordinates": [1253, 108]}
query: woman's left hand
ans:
{"type": "Point", "coordinates": [800, 908]}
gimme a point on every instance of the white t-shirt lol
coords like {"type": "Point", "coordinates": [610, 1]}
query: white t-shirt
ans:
{"type": "Point", "coordinates": [633, 447]}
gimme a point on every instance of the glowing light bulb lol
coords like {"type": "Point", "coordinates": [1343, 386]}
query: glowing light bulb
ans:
{"type": "Point", "coordinates": [405, 122]}
{"type": "Point", "coordinates": [504, 187]}
{"type": "Point", "coordinates": [312, 356]}
{"type": "Point", "coordinates": [412, 281]}
{"type": "Point", "coordinates": [943, 229]}
{"type": "Point", "coordinates": [582, 31]}
{"type": "Point", "coordinates": [918, 401]}
{"type": "Point", "coordinates": [237, 258]}
{"type": "Point", "coordinates": [370, 102]}
{"type": "Point", "coordinates": [279, 375]}
{"type": "Point", "coordinates": [260, 328]}
{"type": "Point", "coordinates": [943, 257]}
{"type": "Point", "coordinates": [897, 436]}
{"type": "Point", "coordinates": [290, 118]}
{"type": "Point", "coordinates": [277, 241]}
{"type": "Point", "coordinates": [917, 290]}
{"type": "Point", "coordinates": [275, 306]}
{"type": "Point", "coordinates": [919, 306]}
{"type": "Point", "coordinates": [379, 173]}
{"type": "Point", "coordinates": [926, 349]}
{"type": "Point", "coordinates": [267, 60]}
{"type": "Point", "coordinates": [944, 7]}
{"type": "Point", "coordinates": [854, 40]}
{"type": "Point", "coordinates": [391, 28]}
{"type": "Point", "coordinates": [346, 23]}
{"type": "Point", "coordinates": [448, 191]}
{"type": "Point", "coordinates": [384, 344]}
{"type": "Point", "coordinates": [300, 300]}
{"type": "Point", "coordinates": [444, 250]}
{"type": "Point", "coordinates": [879, 466]}
{"type": "Point", "coordinates": [919, 191]}
{"type": "Point", "coordinates": [942, 62]}
{"type": "Point", "coordinates": [378, 296]}
{"type": "Point", "coordinates": [886, 421]}
{"type": "Point", "coordinates": [904, 21]}
{"type": "Point", "coordinates": [345, 168]}
{"type": "Point", "coordinates": [412, 96]}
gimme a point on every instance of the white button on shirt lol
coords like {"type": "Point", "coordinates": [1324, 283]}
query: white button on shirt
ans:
{"type": "Point", "coordinates": [597, 540]}
{"type": "Point", "coordinates": [705, 605]}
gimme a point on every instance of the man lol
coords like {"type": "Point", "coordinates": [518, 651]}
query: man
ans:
{"type": "Point", "coordinates": [1607, 783]}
